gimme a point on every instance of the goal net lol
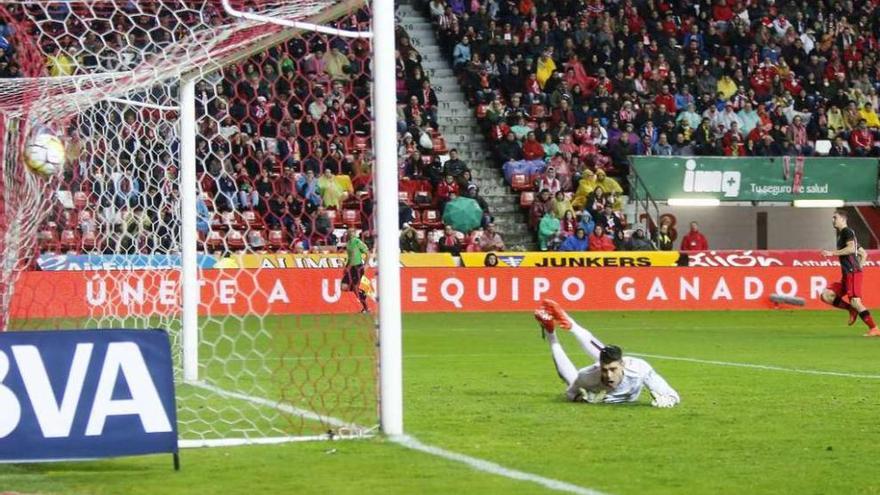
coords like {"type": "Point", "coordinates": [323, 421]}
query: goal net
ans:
{"type": "Point", "coordinates": [282, 159]}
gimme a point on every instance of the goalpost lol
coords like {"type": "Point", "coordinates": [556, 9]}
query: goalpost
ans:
{"type": "Point", "coordinates": [136, 186]}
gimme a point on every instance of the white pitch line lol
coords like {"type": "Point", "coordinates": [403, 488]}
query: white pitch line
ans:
{"type": "Point", "coordinates": [490, 467]}
{"type": "Point", "coordinates": [403, 440]}
{"type": "Point", "coordinates": [764, 367]}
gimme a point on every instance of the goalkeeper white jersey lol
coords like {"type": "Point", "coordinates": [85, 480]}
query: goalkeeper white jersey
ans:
{"type": "Point", "coordinates": [637, 374]}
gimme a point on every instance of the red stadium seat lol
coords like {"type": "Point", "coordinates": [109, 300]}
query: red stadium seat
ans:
{"type": "Point", "coordinates": [47, 238]}
{"type": "Point", "coordinates": [256, 239]}
{"type": "Point", "coordinates": [251, 218]}
{"type": "Point", "coordinates": [89, 241]}
{"type": "Point", "coordinates": [351, 217]}
{"type": "Point", "coordinates": [232, 220]}
{"type": "Point", "coordinates": [277, 239]}
{"type": "Point", "coordinates": [69, 240]}
{"type": "Point", "coordinates": [235, 240]}
{"type": "Point", "coordinates": [417, 220]}
{"type": "Point", "coordinates": [432, 219]}
{"type": "Point", "coordinates": [404, 197]}
{"type": "Point", "coordinates": [422, 199]}
{"type": "Point", "coordinates": [439, 145]}
{"type": "Point", "coordinates": [334, 217]}
{"type": "Point", "coordinates": [214, 241]}
{"type": "Point", "coordinates": [521, 182]}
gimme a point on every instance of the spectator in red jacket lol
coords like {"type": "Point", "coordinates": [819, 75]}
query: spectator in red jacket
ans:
{"type": "Point", "coordinates": [694, 240]}
{"type": "Point", "coordinates": [599, 241]}
{"type": "Point", "coordinates": [860, 139]}
{"type": "Point", "coordinates": [446, 189]}
{"type": "Point", "coordinates": [532, 149]}
{"type": "Point", "coordinates": [666, 99]}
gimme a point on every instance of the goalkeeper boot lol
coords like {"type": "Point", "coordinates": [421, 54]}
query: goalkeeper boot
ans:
{"type": "Point", "coordinates": [545, 320]}
{"type": "Point", "coordinates": [559, 315]}
{"type": "Point", "coordinates": [853, 316]}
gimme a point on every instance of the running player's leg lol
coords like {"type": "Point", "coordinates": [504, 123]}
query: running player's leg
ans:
{"type": "Point", "coordinates": [357, 275]}
{"type": "Point", "coordinates": [833, 295]}
{"type": "Point", "coordinates": [589, 343]}
{"type": "Point", "coordinates": [853, 288]}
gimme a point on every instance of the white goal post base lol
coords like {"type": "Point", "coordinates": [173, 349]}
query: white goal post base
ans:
{"type": "Point", "coordinates": [239, 442]}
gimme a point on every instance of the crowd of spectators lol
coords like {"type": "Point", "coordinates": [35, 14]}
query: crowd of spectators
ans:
{"type": "Point", "coordinates": [585, 84]}
{"type": "Point", "coordinates": [578, 85]}
{"type": "Point", "coordinates": [283, 145]}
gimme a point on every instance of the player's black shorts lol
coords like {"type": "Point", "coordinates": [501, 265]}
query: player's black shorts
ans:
{"type": "Point", "coordinates": [352, 277]}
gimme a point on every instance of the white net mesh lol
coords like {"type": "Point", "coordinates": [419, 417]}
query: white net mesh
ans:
{"type": "Point", "coordinates": [264, 100]}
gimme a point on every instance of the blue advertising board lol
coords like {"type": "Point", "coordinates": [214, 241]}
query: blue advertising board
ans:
{"type": "Point", "coordinates": [78, 262]}
{"type": "Point", "coordinates": [74, 394]}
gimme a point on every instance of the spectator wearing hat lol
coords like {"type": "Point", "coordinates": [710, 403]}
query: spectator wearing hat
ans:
{"type": "Point", "coordinates": [561, 205]}
{"type": "Point", "coordinates": [550, 182]}
{"type": "Point", "coordinates": [870, 116]}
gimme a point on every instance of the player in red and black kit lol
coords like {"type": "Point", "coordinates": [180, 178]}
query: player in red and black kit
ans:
{"type": "Point", "coordinates": [852, 257]}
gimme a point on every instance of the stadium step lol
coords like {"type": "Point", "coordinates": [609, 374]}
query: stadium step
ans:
{"type": "Point", "coordinates": [437, 71]}
{"type": "Point", "coordinates": [461, 130]}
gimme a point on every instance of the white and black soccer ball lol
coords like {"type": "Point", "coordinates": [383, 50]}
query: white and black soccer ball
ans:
{"type": "Point", "coordinates": [44, 154]}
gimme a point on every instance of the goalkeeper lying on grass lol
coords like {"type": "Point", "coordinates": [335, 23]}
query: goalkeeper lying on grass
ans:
{"type": "Point", "coordinates": [613, 379]}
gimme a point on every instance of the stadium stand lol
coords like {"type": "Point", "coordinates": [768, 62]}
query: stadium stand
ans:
{"type": "Point", "coordinates": [583, 85]}
{"type": "Point", "coordinates": [565, 91]}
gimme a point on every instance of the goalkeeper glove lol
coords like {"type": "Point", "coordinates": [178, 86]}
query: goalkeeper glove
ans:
{"type": "Point", "coordinates": [592, 397]}
{"type": "Point", "coordinates": [664, 401]}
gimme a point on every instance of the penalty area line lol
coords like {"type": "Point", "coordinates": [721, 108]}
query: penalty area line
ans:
{"type": "Point", "coordinates": [764, 367]}
{"type": "Point", "coordinates": [491, 467]}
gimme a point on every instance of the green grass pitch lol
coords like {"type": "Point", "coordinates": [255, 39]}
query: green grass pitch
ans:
{"type": "Point", "coordinates": [484, 385]}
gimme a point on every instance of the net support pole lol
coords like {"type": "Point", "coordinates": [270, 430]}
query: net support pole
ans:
{"type": "Point", "coordinates": [385, 144]}
{"type": "Point", "coordinates": [189, 277]}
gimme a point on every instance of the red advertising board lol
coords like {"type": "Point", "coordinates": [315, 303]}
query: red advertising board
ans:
{"type": "Point", "coordinates": [79, 294]}
{"type": "Point", "coordinates": [755, 258]}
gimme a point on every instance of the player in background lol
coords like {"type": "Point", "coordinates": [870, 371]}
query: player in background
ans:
{"type": "Point", "coordinates": [613, 379]}
{"type": "Point", "coordinates": [356, 250]}
{"type": "Point", "coordinates": [852, 258]}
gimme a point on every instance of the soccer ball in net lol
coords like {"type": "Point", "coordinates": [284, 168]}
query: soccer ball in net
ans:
{"type": "Point", "coordinates": [44, 154]}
